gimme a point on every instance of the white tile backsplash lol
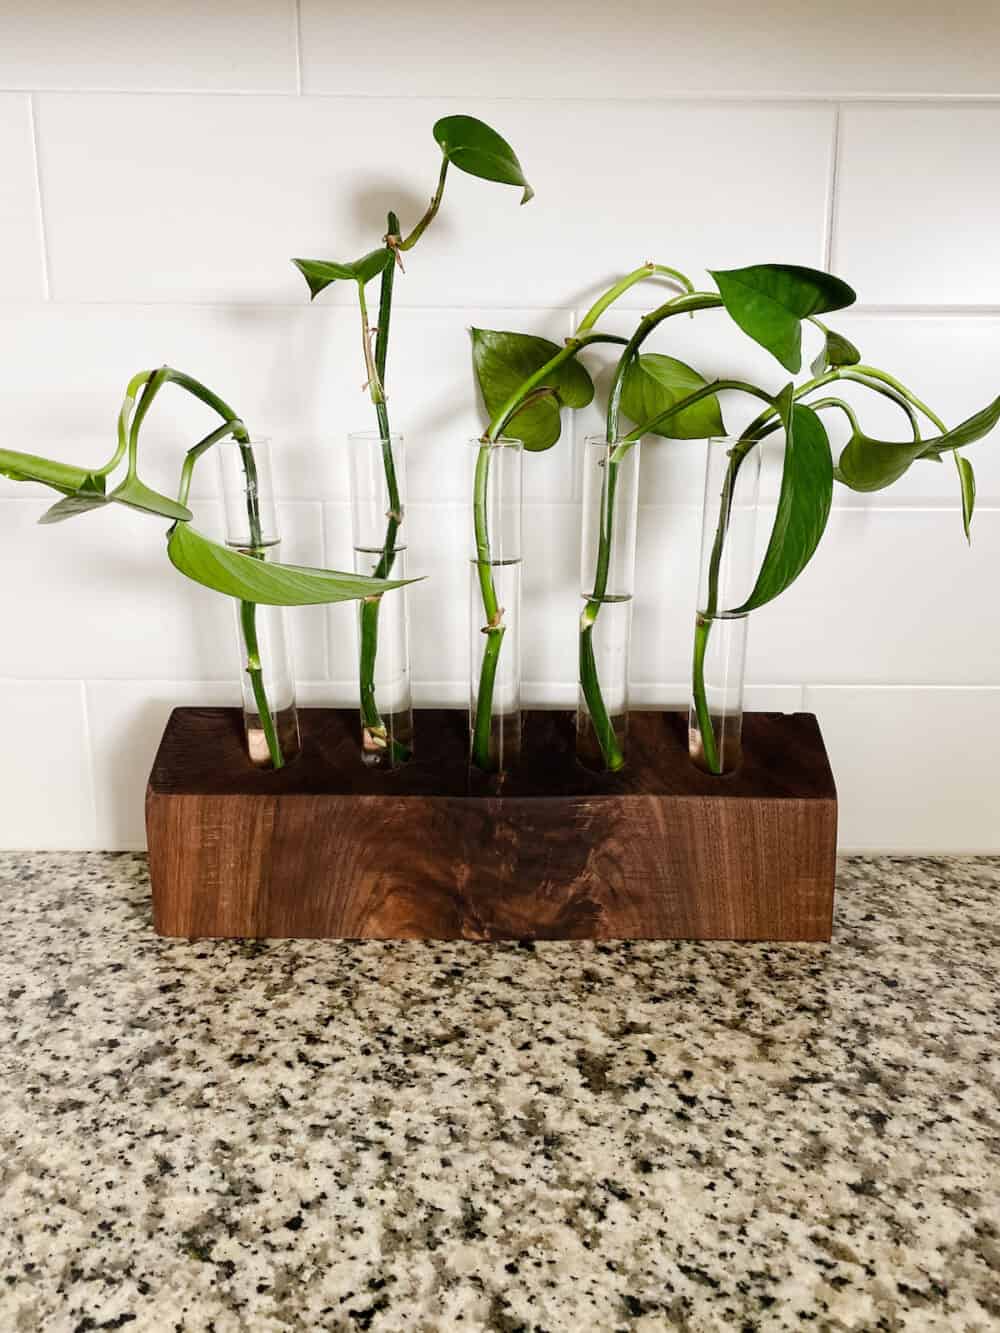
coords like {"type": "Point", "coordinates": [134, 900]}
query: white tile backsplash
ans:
{"type": "Point", "coordinates": [228, 44]}
{"type": "Point", "coordinates": [917, 204]}
{"type": "Point", "coordinates": [46, 788]}
{"type": "Point", "coordinates": [223, 191]}
{"type": "Point", "coordinates": [915, 768]}
{"type": "Point", "coordinates": [22, 261]}
{"type": "Point", "coordinates": [160, 169]}
{"type": "Point", "coordinates": [600, 50]}
{"type": "Point", "coordinates": [890, 596]}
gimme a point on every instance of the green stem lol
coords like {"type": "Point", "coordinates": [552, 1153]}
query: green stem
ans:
{"type": "Point", "coordinates": [231, 425]}
{"type": "Point", "coordinates": [530, 389]}
{"type": "Point", "coordinates": [431, 213]}
{"type": "Point", "coordinates": [494, 628]}
{"type": "Point", "coordinates": [589, 681]}
{"type": "Point", "coordinates": [248, 611]}
{"type": "Point", "coordinates": [639, 274]}
{"type": "Point", "coordinates": [248, 622]}
{"type": "Point", "coordinates": [706, 617]}
{"type": "Point", "coordinates": [371, 718]}
{"type": "Point", "coordinates": [709, 749]}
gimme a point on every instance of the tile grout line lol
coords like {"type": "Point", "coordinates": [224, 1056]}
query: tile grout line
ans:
{"type": "Point", "coordinates": [745, 97]}
{"type": "Point", "coordinates": [833, 198]}
{"type": "Point", "coordinates": [46, 283]}
{"type": "Point", "coordinates": [88, 743]}
{"type": "Point", "coordinates": [298, 47]}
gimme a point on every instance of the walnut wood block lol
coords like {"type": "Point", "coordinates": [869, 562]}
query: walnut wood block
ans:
{"type": "Point", "coordinates": [327, 848]}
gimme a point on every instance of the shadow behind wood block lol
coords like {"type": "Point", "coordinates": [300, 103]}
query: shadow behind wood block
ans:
{"type": "Point", "coordinates": [328, 848]}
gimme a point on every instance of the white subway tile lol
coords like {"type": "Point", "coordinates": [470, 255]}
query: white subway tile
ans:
{"type": "Point", "coordinates": [666, 592]}
{"type": "Point", "coordinates": [22, 263]}
{"type": "Point", "coordinates": [127, 718]}
{"type": "Point", "coordinates": [229, 44]}
{"type": "Point", "coordinates": [302, 543]}
{"type": "Point", "coordinates": [915, 768]}
{"type": "Point", "coordinates": [46, 793]}
{"type": "Point", "coordinates": [917, 204]}
{"type": "Point", "coordinates": [97, 597]}
{"type": "Point", "coordinates": [222, 191]}
{"type": "Point", "coordinates": [600, 51]}
{"type": "Point", "coordinates": [890, 596]}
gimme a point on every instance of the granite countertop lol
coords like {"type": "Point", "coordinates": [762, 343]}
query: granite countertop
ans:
{"type": "Point", "coordinates": [638, 1137]}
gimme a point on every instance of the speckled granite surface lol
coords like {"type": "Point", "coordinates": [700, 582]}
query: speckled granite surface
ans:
{"type": "Point", "coordinates": [229, 1136]}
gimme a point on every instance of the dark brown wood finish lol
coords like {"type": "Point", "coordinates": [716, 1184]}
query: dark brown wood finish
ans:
{"type": "Point", "coordinates": [327, 848]}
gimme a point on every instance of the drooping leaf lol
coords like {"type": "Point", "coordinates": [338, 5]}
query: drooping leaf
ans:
{"type": "Point", "coordinates": [803, 502]}
{"type": "Point", "coordinates": [769, 302]}
{"type": "Point", "coordinates": [89, 496]}
{"type": "Point", "coordinates": [871, 465]}
{"type": "Point", "coordinates": [137, 495]}
{"type": "Point", "coordinates": [503, 361]}
{"type": "Point", "coordinates": [65, 477]}
{"type": "Point", "coordinates": [272, 584]}
{"type": "Point", "coordinates": [319, 273]}
{"type": "Point", "coordinates": [967, 483]}
{"type": "Point", "coordinates": [836, 351]}
{"type": "Point", "coordinates": [653, 383]}
{"type": "Point", "coordinates": [966, 432]}
{"type": "Point", "coordinates": [473, 147]}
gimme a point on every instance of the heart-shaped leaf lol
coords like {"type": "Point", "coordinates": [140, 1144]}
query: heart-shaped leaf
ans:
{"type": "Point", "coordinates": [503, 361]}
{"type": "Point", "coordinates": [803, 502]}
{"type": "Point", "coordinates": [871, 465]}
{"type": "Point", "coordinates": [967, 482]}
{"type": "Point", "coordinates": [836, 351]}
{"type": "Point", "coordinates": [272, 584]}
{"type": "Point", "coordinates": [653, 383]}
{"type": "Point", "coordinates": [473, 147]}
{"type": "Point", "coordinates": [63, 477]}
{"type": "Point", "coordinates": [319, 273]}
{"type": "Point", "coordinates": [769, 302]}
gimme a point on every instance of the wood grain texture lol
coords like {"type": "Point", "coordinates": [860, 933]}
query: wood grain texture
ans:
{"type": "Point", "coordinates": [327, 848]}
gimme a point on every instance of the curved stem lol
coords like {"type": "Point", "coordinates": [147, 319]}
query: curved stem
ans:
{"type": "Point", "coordinates": [431, 213]}
{"type": "Point", "coordinates": [231, 425]}
{"type": "Point", "coordinates": [639, 274]}
{"type": "Point", "coordinates": [873, 373]}
{"type": "Point", "coordinates": [679, 305]}
{"type": "Point", "coordinates": [196, 451]}
{"type": "Point", "coordinates": [124, 416]}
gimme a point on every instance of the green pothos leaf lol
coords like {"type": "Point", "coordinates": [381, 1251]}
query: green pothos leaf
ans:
{"type": "Point", "coordinates": [803, 502]}
{"type": "Point", "coordinates": [472, 146]}
{"type": "Point", "coordinates": [836, 351]}
{"type": "Point", "coordinates": [503, 361]}
{"type": "Point", "coordinates": [263, 581]}
{"type": "Point", "coordinates": [65, 477]}
{"type": "Point", "coordinates": [769, 302]}
{"type": "Point", "coordinates": [967, 484]}
{"type": "Point", "coordinates": [319, 273]}
{"type": "Point", "coordinates": [653, 383]}
{"type": "Point", "coordinates": [871, 465]}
